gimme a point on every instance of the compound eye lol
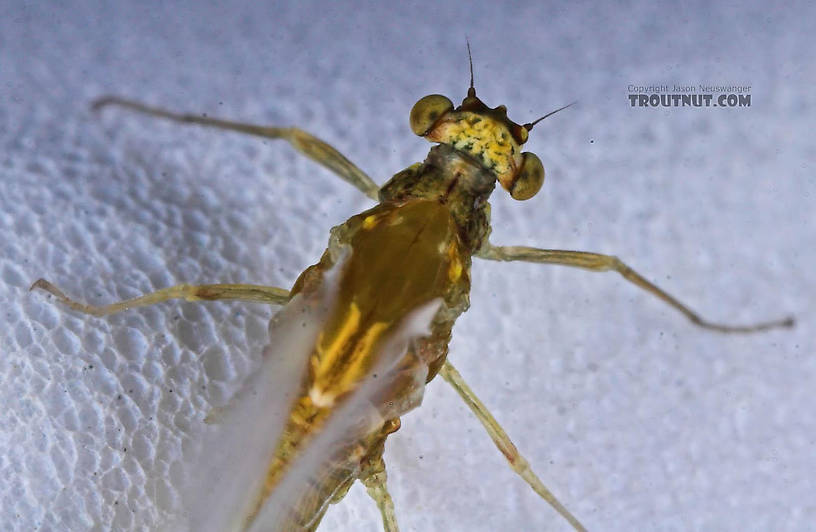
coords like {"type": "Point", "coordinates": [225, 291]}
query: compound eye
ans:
{"type": "Point", "coordinates": [427, 111]}
{"type": "Point", "coordinates": [529, 178]}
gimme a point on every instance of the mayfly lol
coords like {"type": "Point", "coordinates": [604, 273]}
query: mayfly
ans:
{"type": "Point", "coordinates": [373, 319]}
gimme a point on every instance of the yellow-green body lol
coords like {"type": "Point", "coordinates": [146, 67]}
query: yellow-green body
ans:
{"type": "Point", "coordinates": [412, 248]}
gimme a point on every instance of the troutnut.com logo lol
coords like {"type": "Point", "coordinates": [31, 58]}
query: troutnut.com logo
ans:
{"type": "Point", "coordinates": [700, 95]}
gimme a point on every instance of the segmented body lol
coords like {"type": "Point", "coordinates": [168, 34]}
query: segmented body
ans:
{"type": "Point", "coordinates": [412, 248]}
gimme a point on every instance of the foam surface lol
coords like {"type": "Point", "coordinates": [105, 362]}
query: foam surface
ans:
{"type": "Point", "coordinates": [636, 419]}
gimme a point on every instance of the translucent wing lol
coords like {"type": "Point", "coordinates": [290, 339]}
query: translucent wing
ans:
{"type": "Point", "coordinates": [345, 358]}
{"type": "Point", "coordinates": [222, 494]}
{"type": "Point", "coordinates": [241, 438]}
{"type": "Point", "coordinates": [333, 455]}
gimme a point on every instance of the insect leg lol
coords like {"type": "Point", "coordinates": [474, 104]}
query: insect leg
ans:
{"type": "Point", "coordinates": [502, 441]}
{"type": "Point", "coordinates": [602, 263]}
{"type": "Point", "coordinates": [375, 483]}
{"type": "Point", "coordinates": [307, 144]}
{"type": "Point", "coordinates": [204, 292]}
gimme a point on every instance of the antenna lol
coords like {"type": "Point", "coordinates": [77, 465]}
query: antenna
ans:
{"type": "Point", "coordinates": [471, 89]}
{"type": "Point", "coordinates": [529, 126]}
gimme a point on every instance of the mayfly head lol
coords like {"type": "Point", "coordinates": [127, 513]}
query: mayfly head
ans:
{"type": "Point", "coordinates": [486, 135]}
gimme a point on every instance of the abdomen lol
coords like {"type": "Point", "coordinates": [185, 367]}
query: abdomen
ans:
{"type": "Point", "coordinates": [393, 259]}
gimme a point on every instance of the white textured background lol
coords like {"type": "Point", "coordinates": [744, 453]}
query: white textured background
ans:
{"type": "Point", "coordinates": [636, 419]}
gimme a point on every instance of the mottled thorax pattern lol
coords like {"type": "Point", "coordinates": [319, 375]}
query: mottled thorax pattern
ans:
{"type": "Point", "coordinates": [455, 179]}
